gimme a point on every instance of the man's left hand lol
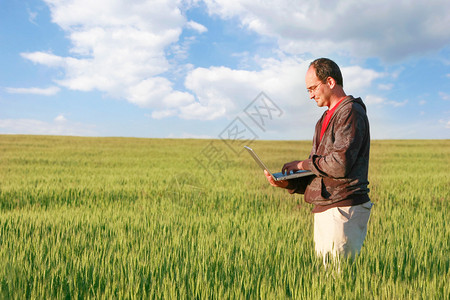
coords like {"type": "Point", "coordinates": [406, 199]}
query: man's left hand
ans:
{"type": "Point", "coordinates": [280, 183]}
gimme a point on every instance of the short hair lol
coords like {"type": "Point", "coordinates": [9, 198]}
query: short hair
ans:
{"type": "Point", "coordinates": [325, 68]}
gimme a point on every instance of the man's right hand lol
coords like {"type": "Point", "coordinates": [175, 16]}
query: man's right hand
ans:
{"type": "Point", "coordinates": [292, 166]}
{"type": "Point", "coordinates": [280, 183]}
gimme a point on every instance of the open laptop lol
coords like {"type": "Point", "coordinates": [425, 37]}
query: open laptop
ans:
{"type": "Point", "coordinates": [277, 176]}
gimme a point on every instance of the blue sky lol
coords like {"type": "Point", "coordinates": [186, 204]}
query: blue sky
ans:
{"type": "Point", "coordinates": [188, 69]}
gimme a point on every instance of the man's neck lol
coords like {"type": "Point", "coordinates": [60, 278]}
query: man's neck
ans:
{"type": "Point", "coordinates": [336, 98]}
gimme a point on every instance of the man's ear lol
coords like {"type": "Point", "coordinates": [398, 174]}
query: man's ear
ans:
{"type": "Point", "coordinates": [331, 82]}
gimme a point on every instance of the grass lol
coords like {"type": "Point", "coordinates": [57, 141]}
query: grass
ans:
{"type": "Point", "coordinates": [140, 218]}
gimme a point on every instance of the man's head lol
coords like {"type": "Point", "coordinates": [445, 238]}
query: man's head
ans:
{"type": "Point", "coordinates": [327, 68]}
{"type": "Point", "coordinates": [324, 82]}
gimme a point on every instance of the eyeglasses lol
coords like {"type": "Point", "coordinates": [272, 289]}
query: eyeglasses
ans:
{"type": "Point", "coordinates": [313, 88]}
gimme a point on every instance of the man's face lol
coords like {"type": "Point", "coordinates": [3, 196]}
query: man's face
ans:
{"type": "Point", "coordinates": [317, 90]}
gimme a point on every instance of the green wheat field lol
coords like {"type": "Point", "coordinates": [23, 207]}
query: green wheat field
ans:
{"type": "Point", "coordinates": [195, 219]}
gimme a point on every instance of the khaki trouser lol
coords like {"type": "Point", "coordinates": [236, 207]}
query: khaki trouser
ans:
{"type": "Point", "coordinates": [341, 230]}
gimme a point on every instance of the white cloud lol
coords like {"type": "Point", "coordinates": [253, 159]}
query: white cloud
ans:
{"type": "Point", "coordinates": [377, 100]}
{"type": "Point", "coordinates": [160, 114]}
{"type": "Point", "coordinates": [60, 118]}
{"type": "Point", "coordinates": [445, 123]}
{"type": "Point", "coordinates": [121, 48]}
{"type": "Point", "coordinates": [385, 86]}
{"type": "Point", "coordinates": [155, 16]}
{"type": "Point", "coordinates": [372, 99]}
{"type": "Point", "coordinates": [357, 79]}
{"type": "Point", "coordinates": [50, 91]}
{"type": "Point", "coordinates": [180, 50]}
{"type": "Point", "coordinates": [118, 48]}
{"type": "Point", "coordinates": [32, 16]}
{"type": "Point", "coordinates": [157, 93]}
{"type": "Point", "coordinates": [388, 29]}
{"type": "Point", "coordinates": [397, 103]}
{"type": "Point", "coordinates": [196, 26]}
{"type": "Point", "coordinates": [444, 96]}
{"type": "Point", "coordinates": [43, 58]}
{"type": "Point", "coordinates": [223, 91]}
{"type": "Point", "coordinates": [59, 126]}
{"type": "Point", "coordinates": [425, 129]}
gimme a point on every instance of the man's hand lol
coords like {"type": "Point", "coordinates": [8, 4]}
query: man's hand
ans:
{"type": "Point", "coordinates": [281, 183]}
{"type": "Point", "coordinates": [293, 166]}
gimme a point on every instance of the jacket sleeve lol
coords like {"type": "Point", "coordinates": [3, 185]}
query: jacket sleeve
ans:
{"type": "Point", "coordinates": [342, 147]}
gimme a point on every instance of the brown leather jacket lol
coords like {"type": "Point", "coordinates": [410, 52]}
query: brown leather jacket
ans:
{"type": "Point", "coordinates": [340, 160]}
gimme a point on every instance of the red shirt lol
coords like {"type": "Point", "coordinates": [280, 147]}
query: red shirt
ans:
{"type": "Point", "coordinates": [328, 116]}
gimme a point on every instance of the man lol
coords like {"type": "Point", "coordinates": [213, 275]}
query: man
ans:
{"type": "Point", "coordinates": [340, 161]}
